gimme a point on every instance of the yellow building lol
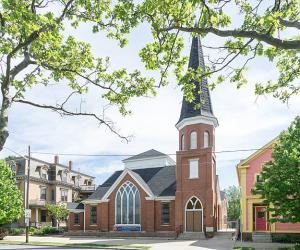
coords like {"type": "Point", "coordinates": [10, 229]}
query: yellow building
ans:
{"type": "Point", "coordinates": [254, 218]}
{"type": "Point", "coordinates": [52, 183]}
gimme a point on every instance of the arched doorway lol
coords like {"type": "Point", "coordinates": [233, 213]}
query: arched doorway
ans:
{"type": "Point", "coordinates": [193, 215]}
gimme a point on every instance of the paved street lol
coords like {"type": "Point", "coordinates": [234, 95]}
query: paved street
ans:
{"type": "Point", "coordinates": [11, 247]}
{"type": "Point", "coordinates": [155, 244]}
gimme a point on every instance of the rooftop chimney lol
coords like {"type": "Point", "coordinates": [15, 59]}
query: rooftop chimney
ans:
{"type": "Point", "coordinates": [56, 159]}
{"type": "Point", "coordinates": [70, 165]}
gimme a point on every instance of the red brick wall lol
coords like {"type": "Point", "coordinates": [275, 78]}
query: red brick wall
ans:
{"type": "Point", "coordinates": [150, 212]}
{"type": "Point", "coordinates": [88, 225]}
{"type": "Point", "coordinates": [158, 217]}
{"type": "Point", "coordinates": [71, 225]}
{"type": "Point", "coordinates": [103, 216]}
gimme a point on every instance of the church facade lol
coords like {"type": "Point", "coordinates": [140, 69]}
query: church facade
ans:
{"type": "Point", "coordinates": [156, 195]}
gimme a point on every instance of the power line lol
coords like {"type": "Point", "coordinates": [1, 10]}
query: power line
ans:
{"type": "Point", "coordinates": [16, 153]}
{"type": "Point", "coordinates": [129, 155]}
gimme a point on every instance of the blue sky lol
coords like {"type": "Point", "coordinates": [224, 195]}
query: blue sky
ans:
{"type": "Point", "coordinates": [245, 120]}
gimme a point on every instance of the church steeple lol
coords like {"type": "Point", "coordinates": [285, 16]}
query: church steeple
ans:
{"type": "Point", "coordinates": [195, 159]}
{"type": "Point", "coordinates": [201, 91]}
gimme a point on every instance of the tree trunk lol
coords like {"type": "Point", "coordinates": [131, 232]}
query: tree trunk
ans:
{"type": "Point", "coordinates": [4, 114]}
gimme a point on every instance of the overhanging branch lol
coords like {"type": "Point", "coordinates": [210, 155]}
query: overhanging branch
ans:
{"type": "Point", "coordinates": [292, 24]}
{"type": "Point", "coordinates": [278, 43]}
{"type": "Point", "coordinates": [64, 112]}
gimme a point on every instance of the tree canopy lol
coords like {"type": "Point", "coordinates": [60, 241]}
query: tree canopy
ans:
{"type": "Point", "coordinates": [233, 197]}
{"type": "Point", "coordinates": [11, 203]}
{"type": "Point", "coordinates": [59, 212]}
{"type": "Point", "coordinates": [279, 181]}
{"type": "Point", "coordinates": [35, 49]}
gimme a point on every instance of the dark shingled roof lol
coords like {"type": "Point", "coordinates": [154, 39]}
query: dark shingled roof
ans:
{"type": "Point", "coordinates": [99, 193]}
{"type": "Point", "coordinates": [112, 179]}
{"type": "Point", "coordinates": [73, 205]}
{"type": "Point", "coordinates": [201, 91]}
{"type": "Point", "coordinates": [161, 181]}
{"type": "Point", "coordinates": [147, 154]}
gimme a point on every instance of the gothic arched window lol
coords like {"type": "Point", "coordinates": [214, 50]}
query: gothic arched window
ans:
{"type": "Point", "coordinates": [193, 140]}
{"type": "Point", "coordinates": [206, 139]}
{"type": "Point", "coordinates": [128, 204]}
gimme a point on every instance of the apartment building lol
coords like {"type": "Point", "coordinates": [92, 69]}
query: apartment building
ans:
{"type": "Point", "coordinates": [50, 183]}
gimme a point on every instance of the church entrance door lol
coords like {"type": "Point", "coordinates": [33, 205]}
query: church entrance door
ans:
{"type": "Point", "coordinates": [193, 215]}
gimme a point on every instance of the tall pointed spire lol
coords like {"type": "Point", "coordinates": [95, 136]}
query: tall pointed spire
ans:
{"type": "Point", "coordinates": [201, 91]}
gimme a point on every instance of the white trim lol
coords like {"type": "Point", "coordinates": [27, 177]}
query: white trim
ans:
{"type": "Point", "coordinates": [185, 210]}
{"type": "Point", "coordinates": [94, 201]}
{"type": "Point", "coordinates": [150, 198]}
{"type": "Point", "coordinates": [150, 158]}
{"type": "Point", "coordinates": [76, 211]}
{"type": "Point", "coordinates": [165, 198]}
{"type": "Point", "coordinates": [196, 120]}
{"type": "Point", "coordinates": [140, 181]}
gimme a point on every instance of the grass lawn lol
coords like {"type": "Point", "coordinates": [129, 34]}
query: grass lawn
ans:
{"type": "Point", "coordinates": [244, 248]}
{"type": "Point", "coordinates": [83, 245]}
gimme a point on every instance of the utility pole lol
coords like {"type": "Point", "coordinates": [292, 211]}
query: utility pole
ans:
{"type": "Point", "coordinates": [27, 219]}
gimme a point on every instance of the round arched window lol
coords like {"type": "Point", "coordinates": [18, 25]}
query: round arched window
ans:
{"type": "Point", "coordinates": [206, 139]}
{"type": "Point", "coordinates": [193, 140]}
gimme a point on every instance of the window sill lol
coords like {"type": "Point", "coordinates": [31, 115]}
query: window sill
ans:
{"type": "Point", "coordinates": [165, 225]}
{"type": "Point", "coordinates": [127, 224]}
{"type": "Point", "coordinates": [193, 178]}
{"type": "Point", "coordinates": [93, 225]}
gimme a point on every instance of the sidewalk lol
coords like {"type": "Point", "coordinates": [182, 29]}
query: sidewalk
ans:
{"type": "Point", "coordinates": [161, 244]}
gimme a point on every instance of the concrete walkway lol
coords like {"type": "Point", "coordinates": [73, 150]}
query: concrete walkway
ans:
{"type": "Point", "coordinates": [155, 244]}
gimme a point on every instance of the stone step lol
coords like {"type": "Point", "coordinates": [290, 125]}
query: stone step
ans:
{"type": "Point", "coordinates": [192, 236]}
{"type": "Point", "coordinates": [225, 235]}
{"type": "Point", "coordinates": [262, 237]}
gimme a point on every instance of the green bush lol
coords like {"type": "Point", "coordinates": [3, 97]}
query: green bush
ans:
{"type": "Point", "coordinates": [287, 238]}
{"type": "Point", "coordinates": [46, 230]}
{"type": "Point", "coordinates": [16, 231]}
{"type": "Point", "coordinates": [32, 230]}
{"type": "Point", "coordinates": [296, 247]}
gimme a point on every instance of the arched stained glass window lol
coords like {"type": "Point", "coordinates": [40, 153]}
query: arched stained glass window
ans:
{"type": "Point", "coordinates": [128, 204]}
{"type": "Point", "coordinates": [193, 204]}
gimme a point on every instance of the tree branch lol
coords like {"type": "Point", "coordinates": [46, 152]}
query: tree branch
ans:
{"type": "Point", "coordinates": [63, 112]}
{"type": "Point", "coordinates": [291, 24]}
{"type": "Point", "coordinates": [278, 43]}
{"type": "Point", "coordinates": [66, 9]}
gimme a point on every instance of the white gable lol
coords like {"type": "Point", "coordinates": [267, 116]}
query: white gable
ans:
{"type": "Point", "coordinates": [151, 162]}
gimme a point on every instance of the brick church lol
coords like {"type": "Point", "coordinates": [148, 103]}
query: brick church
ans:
{"type": "Point", "coordinates": [154, 195]}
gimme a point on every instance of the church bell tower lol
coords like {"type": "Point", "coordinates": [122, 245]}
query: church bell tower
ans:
{"type": "Point", "coordinates": [195, 199]}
